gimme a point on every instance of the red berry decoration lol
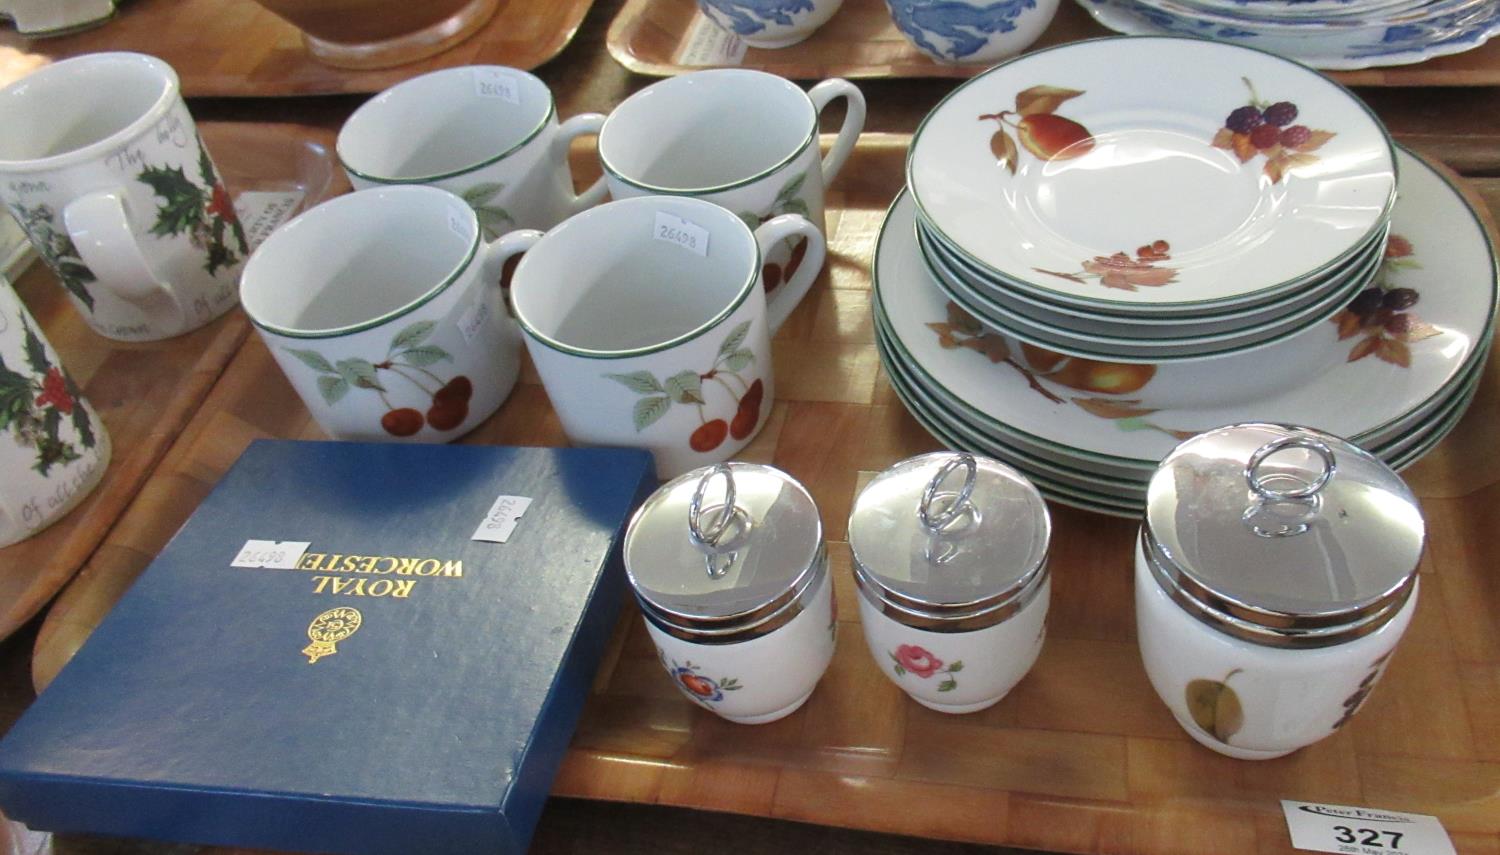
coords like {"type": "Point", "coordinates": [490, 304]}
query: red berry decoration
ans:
{"type": "Point", "coordinates": [747, 416]}
{"type": "Point", "coordinates": [447, 415]}
{"type": "Point", "coordinates": [1244, 119]}
{"type": "Point", "coordinates": [1367, 302]}
{"type": "Point", "coordinates": [1397, 299]}
{"type": "Point", "coordinates": [770, 273]}
{"type": "Point", "coordinates": [1295, 136]}
{"type": "Point", "coordinates": [1280, 114]}
{"type": "Point", "coordinates": [1399, 324]}
{"type": "Point", "coordinates": [1265, 136]}
{"type": "Point", "coordinates": [402, 422]}
{"type": "Point", "coordinates": [799, 251]}
{"type": "Point", "coordinates": [709, 435]}
{"type": "Point", "coordinates": [460, 388]}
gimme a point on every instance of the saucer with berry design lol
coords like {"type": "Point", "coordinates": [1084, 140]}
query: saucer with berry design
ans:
{"type": "Point", "coordinates": [1075, 173]}
{"type": "Point", "coordinates": [1403, 347]}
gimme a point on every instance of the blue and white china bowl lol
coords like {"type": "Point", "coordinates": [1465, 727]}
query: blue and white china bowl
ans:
{"type": "Point", "coordinates": [770, 23]}
{"type": "Point", "coordinates": [971, 31]}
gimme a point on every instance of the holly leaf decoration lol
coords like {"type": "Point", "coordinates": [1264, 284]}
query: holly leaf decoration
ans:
{"type": "Point", "coordinates": [359, 372]}
{"type": "Point", "coordinates": [312, 359]}
{"type": "Point", "coordinates": [639, 382]}
{"type": "Point", "coordinates": [735, 339]}
{"type": "Point", "coordinates": [51, 448]}
{"type": "Point", "coordinates": [36, 352]}
{"type": "Point", "coordinates": [219, 255]}
{"type": "Point", "coordinates": [1043, 99]}
{"type": "Point", "coordinates": [82, 424]}
{"type": "Point", "coordinates": [425, 355]}
{"type": "Point", "coordinates": [1004, 149]}
{"type": "Point", "coordinates": [182, 202]}
{"type": "Point", "coordinates": [412, 335]}
{"type": "Point", "coordinates": [648, 411]}
{"type": "Point", "coordinates": [685, 387]}
{"type": "Point", "coordinates": [332, 388]}
{"type": "Point", "coordinates": [739, 360]}
{"type": "Point", "coordinates": [74, 275]}
{"type": "Point", "coordinates": [15, 395]}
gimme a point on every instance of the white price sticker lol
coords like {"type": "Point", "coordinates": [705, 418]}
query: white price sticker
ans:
{"type": "Point", "coordinates": [261, 212]}
{"type": "Point", "coordinates": [501, 521]}
{"type": "Point", "coordinates": [271, 554]}
{"type": "Point", "coordinates": [708, 43]}
{"type": "Point", "coordinates": [494, 83]}
{"type": "Point", "coordinates": [473, 318]}
{"type": "Point", "coordinates": [674, 229]}
{"type": "Point", "coordinates": [1364, 831]}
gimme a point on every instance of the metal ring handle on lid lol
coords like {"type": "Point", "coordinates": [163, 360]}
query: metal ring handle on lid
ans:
{"type": "Point", "coordinates": [718, 526]}
{"type": "Point", "coordinates": [960, 503]}
{"type": "Point", "coordinates": [1257, 483]}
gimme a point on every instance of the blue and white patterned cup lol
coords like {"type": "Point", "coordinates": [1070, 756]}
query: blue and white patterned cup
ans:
{"type": "Point", "coordinates": [771, 23]}
{"type": "Point", "coordinates": [972, 31]}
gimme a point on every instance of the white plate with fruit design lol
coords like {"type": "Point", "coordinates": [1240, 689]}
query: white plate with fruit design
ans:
{"type": "Point", "coordinates": [1406, 343]}
{"type": "Point", "coordinates": [1247, 174]}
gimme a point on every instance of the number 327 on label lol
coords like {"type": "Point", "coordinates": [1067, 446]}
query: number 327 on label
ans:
{"type": "Point", "coordinates": [1364, 831]}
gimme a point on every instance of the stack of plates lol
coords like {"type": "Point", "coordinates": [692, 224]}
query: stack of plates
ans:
{"type": "Point", "coordinates": [1392, 371]}
{"type": "Point", "coordinates": [1332, 34]}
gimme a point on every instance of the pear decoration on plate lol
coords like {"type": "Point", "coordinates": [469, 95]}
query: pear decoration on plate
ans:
{"type": "Point", "coordinates": [1215, 707]}
{"type": "Point", "coordinates": [1040, 130]}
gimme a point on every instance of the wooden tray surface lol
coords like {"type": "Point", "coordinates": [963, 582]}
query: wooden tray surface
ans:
{"type": "Point", "coordinates": [146, 392]}
{"type": "Point", "coordinates": [235, 47]}
{"type": "Point", "coordinates": [648, 36]}
{"type": "Point", "coordinates": [1080, 757]}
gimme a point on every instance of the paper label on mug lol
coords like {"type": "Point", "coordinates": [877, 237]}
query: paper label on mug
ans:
{"type": "Point", "coordinates": [263, 212]}
{"type": "Point", "coordinates": [1363, 831]}
{"type": "Point", "coordinates": [472, 320]}
{"type": "Point", "coordinates": [501, 521]}
{"type": "Point", "coordinates": [271, 554]}
{"type": "Point", "coordinates": [674, 229]}
{"type": "Point", "coordinates": [494, 83]}
{"type": "Point", "coordinates": [709, 44]}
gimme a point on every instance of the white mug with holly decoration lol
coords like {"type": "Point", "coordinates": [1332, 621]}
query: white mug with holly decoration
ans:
{"type": "Point", "coordinates": [102, 166]}
{"type": "Point", "coordinates": [55, 449]}
{"type": "Point", "coordinates": [742, 139]}
{"type": "Point", "coordinates": [385, 312]}
{"type": "Point", "coordinates": [487, 133]}
{"type": "Point", "coordinates": [648, 324]}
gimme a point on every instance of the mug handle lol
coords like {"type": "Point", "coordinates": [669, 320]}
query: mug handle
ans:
{"type": "Point", "coordinates": [100, 229]}
{"type": "Point", "coordinates": [779, 307]}
{"type": "Point", "coordinates": [583, 124]}
{"type": "Point", "coordinates": [854, 121]}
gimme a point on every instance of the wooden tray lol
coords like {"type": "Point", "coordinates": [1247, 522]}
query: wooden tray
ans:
{"type": "Point", "coordinates": [146, 392]}
{"type": "Point", "coordinates": [235, 47]}
{"type": "Point", "coordinates": [649, 37]}
{"type": "Point", "coordinates": [1081, 757]}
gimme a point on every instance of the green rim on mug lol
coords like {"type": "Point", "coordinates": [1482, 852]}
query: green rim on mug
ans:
{"type": "Point", "coordinates": [163, 103]}
{"type": "Point", "coordinates": [697, 332]}
{"type": "Point", "coordinates": [1103, 304]}
{"type": "Point", "coordinates": [406, 309]}
{"type": "Point", "coordinates": [454, 173]}
{"type": "Point", "coordinates": [812, 135]}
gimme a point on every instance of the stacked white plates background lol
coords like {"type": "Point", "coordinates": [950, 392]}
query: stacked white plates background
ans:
{"type": "Point", "coordinates": [1396, 329]}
